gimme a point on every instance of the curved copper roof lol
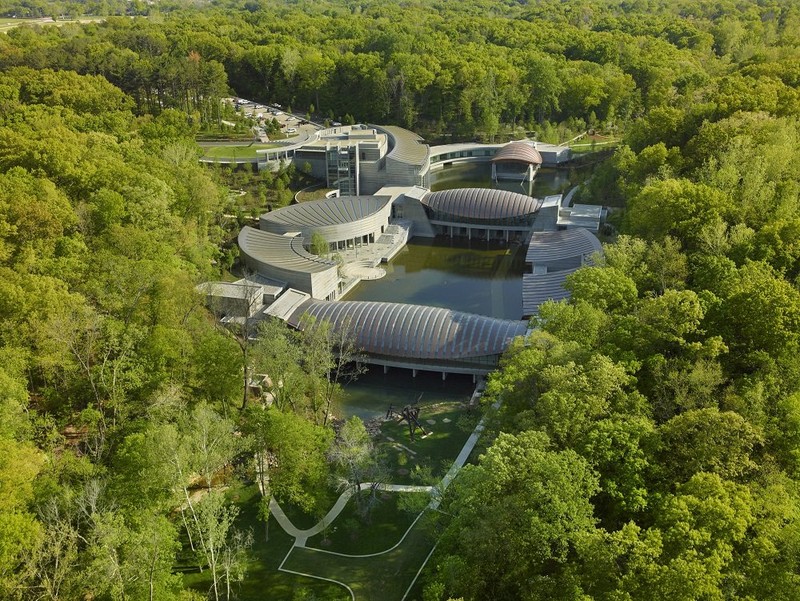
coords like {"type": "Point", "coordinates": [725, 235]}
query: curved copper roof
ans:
{"type": "Point", "coordinates": [415, 331]}
{"type": "Point", "coordinates": [332, 211]}
{"type": "Point", "coordinates": [482, 203]}
{"type": "Point", "coordinates": [284, 252]}
{"type": "Point", "coordinates": [518, 152]}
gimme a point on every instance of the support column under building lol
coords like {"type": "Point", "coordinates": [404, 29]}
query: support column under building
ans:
{"type": "Point", "coordinates": [386, 369]}
{"type": "Point", "coordinates": [444, 376]}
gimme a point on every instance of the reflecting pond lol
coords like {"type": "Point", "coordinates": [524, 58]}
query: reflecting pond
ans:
{"type": "Point", "coordinates": [373, 392]}
{"type": "Point", "coordinates": [472, 276]}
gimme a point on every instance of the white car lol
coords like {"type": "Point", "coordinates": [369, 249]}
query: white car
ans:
{"type": "Point", "coordinates": [276, 113]}
{"type": "Point", "coordinates": [291, 130]}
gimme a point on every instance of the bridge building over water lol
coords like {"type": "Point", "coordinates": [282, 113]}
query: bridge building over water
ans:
{"type": "Point", "coordinates": [399, 335]}
{"type": "Point", "coordinates": [516, 161]}
{"type": "Point", "coordinates": [481, 213]}
{"type": "Point", "coordinates": [416, 337]}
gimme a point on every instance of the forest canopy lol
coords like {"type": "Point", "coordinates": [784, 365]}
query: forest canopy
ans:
{"type": "Point", "coordinates": [647, 441]}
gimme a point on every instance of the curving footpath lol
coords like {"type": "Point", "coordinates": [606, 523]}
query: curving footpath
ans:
{"type": "Point", "coordinates": [301, 536]}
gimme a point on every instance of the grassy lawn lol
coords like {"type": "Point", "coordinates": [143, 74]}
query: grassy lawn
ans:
{"type": "Point", "coordinates": [435, 451]}
{"type": "Point", "coordinates": [234, 151]}
{"type": "Point", "coordinates": [384, 577]}
{"type": "Point", "coordinates": [263, 580]}
{"type": "Point", "coordinates": [383, 528]}
{"type": "Point", "coordinates": [318, 194]}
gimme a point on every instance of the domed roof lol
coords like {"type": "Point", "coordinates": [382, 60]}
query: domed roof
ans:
{"type": "Point", "coordinates": [415, 331]}
{"type": "Point", "coordinates": [481, 203]}
{"type": "Point", "coordinates": [518, 152]}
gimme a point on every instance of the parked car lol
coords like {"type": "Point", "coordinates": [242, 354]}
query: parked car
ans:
{"type": "Point", "coordinates": [335, 123]}
{"type": "Point", "coordinates": [291, 130]}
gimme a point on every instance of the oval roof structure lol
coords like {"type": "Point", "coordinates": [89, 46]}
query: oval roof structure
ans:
{"type": "Point", "coordinates": [320, 213]}
{"type": "Point", "coordinates": [482, 203]}
{"type": "Point", "coordinates": [408, 147]}
{"type": "Point", "coordinates": [285, 252]}
{"type": "Point", "coordinates": [518, 152]}
{"type": "Point", "coordinates": [415, 331]}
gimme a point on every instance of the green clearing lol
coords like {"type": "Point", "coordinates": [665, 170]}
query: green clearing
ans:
{"type": "Point", "coordinates": [263, 579]}
{"type": "Point", "coordinates": [380, 531]}
{"type": "Point", "coordinates": [383, 553]}
{"type": "Point", "coordinates": [384, 577]}
{"type": "Point", "coordinates": [235, 151]}
{"type": "Point", "coordinates": [436, 451]}
{"type": "Point", "coordinates": [308, 195]}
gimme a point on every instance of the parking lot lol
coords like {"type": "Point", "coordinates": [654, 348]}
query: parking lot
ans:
{"type": "Point", "coordinates": [292, 125]}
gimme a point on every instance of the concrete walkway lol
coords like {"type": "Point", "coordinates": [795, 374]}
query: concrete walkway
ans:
{"type": "Point", "coordinates": [302, 535]}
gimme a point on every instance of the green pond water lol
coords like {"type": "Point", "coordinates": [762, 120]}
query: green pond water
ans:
{"type": "Point", "coordinates": [474, 277]}
{"type": "Point", "coordinates": [373, 392]}
{"type": "Point", "coordinates": [478, 175]}
{"type": "Point", "coordinates": [471, 276]}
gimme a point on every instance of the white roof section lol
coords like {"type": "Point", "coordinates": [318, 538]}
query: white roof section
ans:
{"type": "Point", "coordinates": [546, 247]}
{"type": "Point", "coordinates": [554, 200]}
{"type": "Point", "coordinates": [281, 251]}
{"type": "Point", "coordinates": [416, 192]}
{"type": "Point", "coordinates": [414, 331]}
{"type": "Point", "coordinates": [286, 304]}
{"type": "Point", "coordinates": [269, 286]}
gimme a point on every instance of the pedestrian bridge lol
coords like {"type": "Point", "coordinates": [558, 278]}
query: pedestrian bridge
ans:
{"type": "Point", "coordinates": [416, 336]}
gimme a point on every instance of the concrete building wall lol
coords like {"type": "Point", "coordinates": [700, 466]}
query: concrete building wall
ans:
{"type": "Point", "coordinates": [321, 285]}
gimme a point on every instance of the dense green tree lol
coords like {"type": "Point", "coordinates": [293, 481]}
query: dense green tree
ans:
{"type": "Point", "coordinates": [519, 514]}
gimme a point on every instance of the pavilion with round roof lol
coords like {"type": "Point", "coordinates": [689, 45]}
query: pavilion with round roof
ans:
{"type": "Point", "coordinates": [345, 222]}
{"type": "Point", "coordinates": [481, 213]}
{"type": "Point", "coordinates": [417, 336]}
{"type": "Point", "coordinates": [283, 258]}
{"type": "Point", "coordinates": [517, 161]}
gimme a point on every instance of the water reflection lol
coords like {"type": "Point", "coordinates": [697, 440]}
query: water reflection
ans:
{"type": "Point", "coordinates": [373, 392]}
{"type": "Point", "coordinates": [478, 175]}
{"type": "Point", "coordinates": [471, 276]}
